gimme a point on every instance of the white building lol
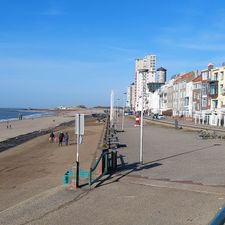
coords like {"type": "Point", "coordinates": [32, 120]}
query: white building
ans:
{"type": "Point", "coordinates": [149, 63]}
{"type": "Point", "coordinates": [130, 103]}
{"type": "Point", "coordinates": [154, 102]}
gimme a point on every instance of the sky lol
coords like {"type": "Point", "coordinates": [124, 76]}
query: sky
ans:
{"type": "Point", "coordinates": [72, 52]}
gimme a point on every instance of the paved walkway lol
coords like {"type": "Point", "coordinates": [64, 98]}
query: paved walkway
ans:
{"type": "Point", "coordinates": [182, 182]}
{"type": "Point", "coordinates": [175, 154]}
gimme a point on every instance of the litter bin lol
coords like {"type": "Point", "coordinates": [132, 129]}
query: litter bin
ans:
{"type": "Point", "coordinates": [176, 123]}
{"type": "Point", "coordinates": [67, 178]}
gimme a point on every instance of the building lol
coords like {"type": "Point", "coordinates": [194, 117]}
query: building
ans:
{"type": "Point", "coordinates": [181, 94]}
{"type": "Point", "coordinates": [197, 95]}
{"type": "Point", "coordinates": [141, 79]}
{"type": "Point", "coordinates": [218, 100]}
{"type": "Point", "coordinates": [130, 103]}
{"type": "Point", "coordinates": [161, 75]}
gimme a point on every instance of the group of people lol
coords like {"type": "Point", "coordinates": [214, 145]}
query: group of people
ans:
{"type": "Point", "coordinates": [20, 116]}
{"type": "Point", "coordinates": [60, 138]}
{"type": "Point", "coordinates": [8, 125]}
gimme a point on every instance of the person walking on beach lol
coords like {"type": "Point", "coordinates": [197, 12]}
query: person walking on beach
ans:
{"type": "Point", "coordinates": [61, 136]}
{"type": "Point", "coordinates": [52, 137]}
{"type": "Point", "coordinates": [66, 138]}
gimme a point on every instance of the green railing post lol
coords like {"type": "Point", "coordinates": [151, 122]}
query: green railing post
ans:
{"type": "Point", "coordinates": [106, 163]}
{"type": "Point", "coordinates": [90, 177]}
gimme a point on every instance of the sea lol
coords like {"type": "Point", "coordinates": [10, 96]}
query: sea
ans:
{"type": "Point", "coordinates": [9, 114]}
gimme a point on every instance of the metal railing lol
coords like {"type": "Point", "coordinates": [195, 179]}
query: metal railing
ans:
{"type": "Point", "coordinates": [104, 160]}
{"type": "Point", "coordinates": [219, 219]}
{"type": "Point", "coordinates": [107, 161]}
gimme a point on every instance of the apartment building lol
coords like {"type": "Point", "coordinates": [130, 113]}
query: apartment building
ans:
{"type": "Point", "coordinates": [141, 79]}
{"type": "Point", "coordinates": [181, 94]}
{"type": "Point", "coordinates": [197, 94]}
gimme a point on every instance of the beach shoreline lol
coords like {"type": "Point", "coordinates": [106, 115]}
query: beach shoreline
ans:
{"type": "Point", "coordinates": [15, 128]}
{"type": "Point", "coordinates": [14, 141]}
{"type": "Point", "coordinates": [13, 133]}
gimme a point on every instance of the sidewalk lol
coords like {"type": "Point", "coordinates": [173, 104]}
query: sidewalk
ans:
{"type": "Point", "coordinates": [189, 124]}
{"type": "Point", "coordinates": [180, 183]}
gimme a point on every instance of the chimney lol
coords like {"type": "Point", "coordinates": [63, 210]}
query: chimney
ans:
{"type": "Point", "coordinates": [210, 66]}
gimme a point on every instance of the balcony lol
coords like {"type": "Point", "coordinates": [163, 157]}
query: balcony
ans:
{"type": "Point", "coordinates": [213, 87]}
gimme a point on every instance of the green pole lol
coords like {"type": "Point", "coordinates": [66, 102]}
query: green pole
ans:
{"type": "Point", "coordinates": [106, 163]}
{"type": "Point", "coordinates": [90, 177]}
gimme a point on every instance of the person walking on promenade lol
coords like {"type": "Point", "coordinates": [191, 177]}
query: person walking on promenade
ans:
{"type": "Point", "coordinates": [52, 137]}
{"type": "Point", "coordinates": [66, 138]}
{"type": "Point", "coordinates": [61, 136]}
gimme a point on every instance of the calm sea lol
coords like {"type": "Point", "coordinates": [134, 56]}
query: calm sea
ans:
{"type": "Point", "coordinates": [12, 114]}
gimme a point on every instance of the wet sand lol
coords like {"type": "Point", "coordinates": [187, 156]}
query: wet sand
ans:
{"type": "Point", "coordinates": [37, 165]}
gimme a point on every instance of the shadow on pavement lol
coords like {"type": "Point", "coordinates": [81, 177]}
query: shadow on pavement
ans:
{"type": "Point", "coordinates": [185, 153]}
{"type": "Point", "coordinates": [123, 170]}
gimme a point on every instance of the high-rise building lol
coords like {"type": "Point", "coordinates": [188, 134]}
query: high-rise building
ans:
{"type": "Point", "coordinates": [149, 63]}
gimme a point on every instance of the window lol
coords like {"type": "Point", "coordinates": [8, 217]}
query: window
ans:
{"type": "Point", "coordinates": [194, 86]}
{"type": "Point", "coordinates": [186, 101]}
{"type": "Point", "coordinates": [214, 104]}
{"type": "Point", "coordinates": [204, 102]}
{"type": "Point", "coordinates": [204, 89]}
{"type": "Point", "coordinates": [221, 75]}
{"type": "Point", "coordinates": [213, 88]}
{"type": "Point", "coordinates": [215, 76]}
{"type": "Point", "coordinates": [205, 75]}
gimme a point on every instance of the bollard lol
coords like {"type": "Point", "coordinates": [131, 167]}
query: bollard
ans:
{"type": "Point", "coordinates": [137, 121]}
{"type": "Point", "coordinates": [105, 160]}
{"type": "Point", "coordinates": [176, 123]}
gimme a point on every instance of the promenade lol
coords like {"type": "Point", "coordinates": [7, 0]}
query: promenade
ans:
{"type": "Point", "coordinates": [182, 181]}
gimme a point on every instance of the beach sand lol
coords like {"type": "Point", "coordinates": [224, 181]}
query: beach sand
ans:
{"type": "Point", "coordinates": [37, 165]}
{"type": "Point", "coordinates": [19, 127]}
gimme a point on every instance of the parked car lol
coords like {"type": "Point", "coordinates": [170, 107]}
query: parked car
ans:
{"type": "Point", "coordinates": [128, 113]}
{"type": "Point", "coordinates": [155, 115]}
{"type": "Point", "coordinates": [160, 117]}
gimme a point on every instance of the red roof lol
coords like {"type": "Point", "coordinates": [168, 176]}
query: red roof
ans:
{"type": "Point", "coordinates": [197, 79]}
{"type": "Point", "coordinates": [184, 77]}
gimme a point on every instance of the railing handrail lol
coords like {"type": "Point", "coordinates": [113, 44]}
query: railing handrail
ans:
{"type": "Point", "coordinates": [92, 169]}
{"type": "Point", "coordinates": [219, 218]}
{"type": "Point", "coordinates": [97, 162]}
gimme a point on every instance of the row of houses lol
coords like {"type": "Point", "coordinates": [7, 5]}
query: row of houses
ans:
{"type": "Point", "coordinates": [185, 95]}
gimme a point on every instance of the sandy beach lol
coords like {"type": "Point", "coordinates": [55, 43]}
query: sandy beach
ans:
{"type": "Point", "coordinates": [37, 165]}
{"type": "Point", "coordinates": [19, 127]}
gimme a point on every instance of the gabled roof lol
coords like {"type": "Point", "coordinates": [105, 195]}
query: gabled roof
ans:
{"type": "Point", "coordinates": [197, 79]}
{"type": "Point", "coordinates": [184, 77]}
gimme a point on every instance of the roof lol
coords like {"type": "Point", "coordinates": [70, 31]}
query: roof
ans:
{"type": "Point", "coordinates": [184, 77]}
{"type": "Point", "coordinates": [197, 79]}
{"type": "Point", "coordinates": [161, 69]}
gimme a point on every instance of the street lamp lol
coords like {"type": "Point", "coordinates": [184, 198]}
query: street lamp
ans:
{"type": "Point", "coordinates": [123, 112]}
{"type": "Point", "coordinates": [143, 72]}
{"type": "Point", "coordinates": [117, 108]}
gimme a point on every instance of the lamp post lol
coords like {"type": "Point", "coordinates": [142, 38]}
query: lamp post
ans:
{"type": "Point", "coordinates": [123, 113]}
{"type": "Point", "coordinates": [117, 109]}
{"type": "Point", "coordinates": [143, 72]}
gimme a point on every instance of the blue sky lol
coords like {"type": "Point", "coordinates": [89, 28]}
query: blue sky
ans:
{"type": "Point", "coordinates": [72, 52]}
